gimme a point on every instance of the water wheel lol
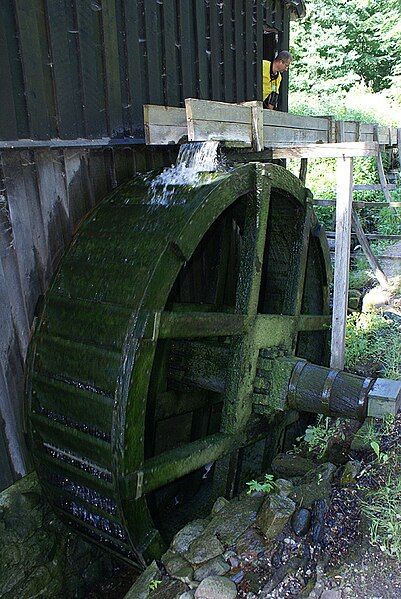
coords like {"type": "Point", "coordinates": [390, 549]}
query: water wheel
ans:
{"type": "Point", "coordinates": [143, 367]}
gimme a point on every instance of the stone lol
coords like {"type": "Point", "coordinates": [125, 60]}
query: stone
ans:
{"type": "Point", "coordinates": [141, 587]}
{"type": "Point", "coordinates": [177, 566]}
{"type": "Point", "coordinates": [350, 472]}
{"type": "Point", "coordinates": [186, 535]}
{"type": "Point", "coordinates": [314, 485]}
{"type": "Point", "coordinates": [229, 524]}
{"type": "Point", "coordinates": [331, 594]}
{"type": "Point", "coordinates": [220, 504]}
{"type": "Point", "coordinates": [251, 543]}
{"type": "Point", "coordinates": [216, 587]}
{"type": "Point", "coordinates": [39, 556]}
{"type": "Point", "coordinates": [187, 595]}
{"type": "Point", "coordinates": [204, 548]}
{"type": "Point", "coordinates": [362, 438]}
{"type": "Point", "coordinates": [301, 521]}
{"type": "Point", "coordinates": [274, 514]}
{"type": "Point", "coordinates": [215, 567]}
{"type": "Point", "coordinates": [320, 508]}
{"type": "Point", "coordinates": [284, 487]}
{"type": "Point", "coordinates": [287, 465]}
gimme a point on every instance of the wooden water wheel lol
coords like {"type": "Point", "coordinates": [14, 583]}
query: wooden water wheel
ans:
{"type": "Point", "coordinates": [145, 367]}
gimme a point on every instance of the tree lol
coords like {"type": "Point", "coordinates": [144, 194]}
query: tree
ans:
{"type": "Point", "coordinates": [342, 42]}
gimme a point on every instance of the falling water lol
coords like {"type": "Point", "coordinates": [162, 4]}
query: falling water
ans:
{"type": "Point", "coordinates": [193, 159]}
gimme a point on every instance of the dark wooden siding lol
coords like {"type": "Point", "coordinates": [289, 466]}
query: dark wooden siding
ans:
{"type": "Point", "coordinates": [44, 195]}
{"type": "Point", "coordinates": [75, 69]}
{"type": "Point", "coordinates": [84, 68]}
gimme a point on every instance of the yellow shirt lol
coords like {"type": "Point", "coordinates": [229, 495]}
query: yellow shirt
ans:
{"type": "Point", "coordinates": [269, 85]}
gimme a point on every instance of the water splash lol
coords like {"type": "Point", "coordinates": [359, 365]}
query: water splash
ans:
{"type": "Point", "coordinates": [193, 159]}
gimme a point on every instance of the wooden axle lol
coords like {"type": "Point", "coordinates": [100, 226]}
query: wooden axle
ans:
{"type": "Point", "coordinates": [294, 383]}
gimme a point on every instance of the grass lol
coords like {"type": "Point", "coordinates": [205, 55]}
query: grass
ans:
{"type": "Point", "coordinates": [371, 338]}
{"type": "Point", "coordinates": [382, 505]}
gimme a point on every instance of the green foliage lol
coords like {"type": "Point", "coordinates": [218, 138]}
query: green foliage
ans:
{"type": "Point", "coordinates": [343, 42]}
{"type": "Point", "coordinates": [154, 584]}
{"type": "Point", "coordinates": [268, 486]}
{"type": "Point", "coordinates": [317, 437]}
{"type": "Point", "coordinates": [382, 506]}
{"type": "Point", "coordinates": [370, 338]}
{"type": "Point", "coordinates": [381, 456]}
{"type": "Point", "coordinates": [389, 222]}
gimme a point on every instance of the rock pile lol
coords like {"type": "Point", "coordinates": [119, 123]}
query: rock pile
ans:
{"type": "Point", "coordinates": [215, 558]}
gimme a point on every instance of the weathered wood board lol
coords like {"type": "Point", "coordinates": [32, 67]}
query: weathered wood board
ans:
{"type": "Point", "coordinates": [44, 195]}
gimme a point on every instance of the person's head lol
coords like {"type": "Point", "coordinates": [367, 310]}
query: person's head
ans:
{"type": "Point", "coordinates": [282, 62]}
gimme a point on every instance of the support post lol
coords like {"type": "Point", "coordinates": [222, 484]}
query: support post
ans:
{"type": "Point", "coordinates": [303, 170]}
{"type": "Point", "coordinates": [342, 257]}
{"type": "Point", "coordinates": [380, 168]}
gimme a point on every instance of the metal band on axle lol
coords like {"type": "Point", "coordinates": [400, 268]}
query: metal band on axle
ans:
{"type": "Point", "coordinates": [327, 389]}
{"type": "Point", "coordinates": [294, 380]}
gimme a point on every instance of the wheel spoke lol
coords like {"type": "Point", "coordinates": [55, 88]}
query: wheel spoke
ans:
{"type": "Point", "coordinates": [253, 245]}
{"type": "Point", "coordinates": [174, 325]}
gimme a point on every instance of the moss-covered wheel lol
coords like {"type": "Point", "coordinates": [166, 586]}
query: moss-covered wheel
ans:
{"type": "Point", "coordinates": [143, 368]}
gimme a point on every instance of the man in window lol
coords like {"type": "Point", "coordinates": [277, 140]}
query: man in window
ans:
{"type": "Point", "coordinates": [272, 78]}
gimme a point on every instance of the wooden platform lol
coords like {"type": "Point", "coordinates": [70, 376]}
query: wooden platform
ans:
{"type": "Point", "coordinates": [247, 125]}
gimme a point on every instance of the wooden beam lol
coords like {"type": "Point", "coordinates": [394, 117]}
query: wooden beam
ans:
{"type": "Point", "coordinates": [336, 150]}
{"type": "Point", "coordinates": [359, 204]}
{"type": "Point", "coordinates": [373, 261]}
{"type": "Point", "coordinates": [373, 187]}
{"type": "Point", "coordinates": [342, 258]}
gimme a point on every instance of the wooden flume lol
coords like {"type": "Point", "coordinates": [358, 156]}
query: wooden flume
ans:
{"type": "Point", "coordinates": [176, 337]}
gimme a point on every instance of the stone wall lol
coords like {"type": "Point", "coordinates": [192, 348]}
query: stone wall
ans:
{"type": "Point", "coordinates": [39, 556]}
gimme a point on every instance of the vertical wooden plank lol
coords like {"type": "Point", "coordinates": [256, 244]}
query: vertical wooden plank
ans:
{"type": "Point", "coordinates": [8, 118]}
{"type": "Point", "coordinates": [240, 62]}
{"type": "Point", "coordinates": [11, 269]}
{"type": "Point", "coordinates": [52, 200]}
{"type": "Point", "coordinates": [380, 167]}
{"type": "Point", "coordinates": [36, 69]}
{"type": "Point", "coordinates": [228, 51]}
{"type": "Point", "coordinates": [99, 174]}
{"type": "Point", "coordinates": [303, 170]}
{"type": "Point", "coordinates": [202, 58]}
{"type": "Point", "coordinates": [170, 54]}
{"type": "Point", "coordinates": [112, 68]}
{"type": "Point", "coordinates": [249, 55]}
{"type": "Point", "coordinates": [35, 217]}
{"type": "Point", "coordinates": [124, 164]}
{"type": "Point", "coordinates": [187, 49]}
{"type": "Point", "coordinates": [91, 66]}
{"type": "Point", "coordinates": [153, 55]}
{"type": "Point", "coordinates": [11, 382]}
{"type": "Point", "coordinates": [216, 56]}
{"type": "Point", "coordinates": [284, 45]}
{"type": "Point", "coordinates": [19, 213]}
{"type": "Point", "coordinates": [78, 200]}
{"type": "Point", "coordinates": [258, 49]}
{"type": "Point", "coordinates": [342, 257]}
{"type": "Point", "coordinates": [63, 39]}
{"type": "Point", "coordinates": [137, 73]}
{"type": "Point", "coordinates": [10, 66]}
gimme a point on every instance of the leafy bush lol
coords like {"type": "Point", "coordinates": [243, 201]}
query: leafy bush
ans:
{"type": "Point", "coordinates": [268, 486]}
{"type": "Point", "coordinates": [370, 338]}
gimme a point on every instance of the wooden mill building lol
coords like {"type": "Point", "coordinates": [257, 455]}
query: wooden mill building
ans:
{"type": "Point", "coordinates": [75, 77]}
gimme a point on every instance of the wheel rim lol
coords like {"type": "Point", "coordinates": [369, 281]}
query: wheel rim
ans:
{"type": "Point", "coordinates": [92, 357]}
